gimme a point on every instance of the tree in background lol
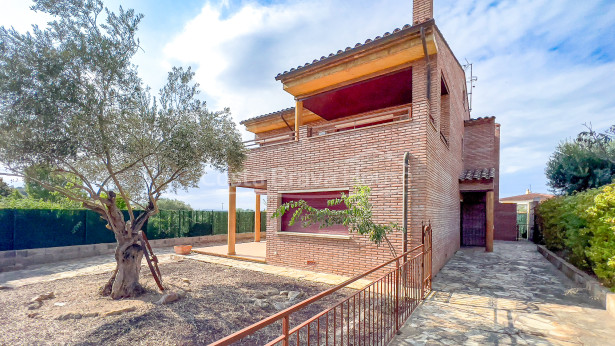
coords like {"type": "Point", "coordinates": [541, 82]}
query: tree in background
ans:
{"type": "Point", "coordinates": [76, 119]}
{"type": "Point", "coordinates": [172, 204]}
{"type": "Point", "coordinates": [588, 162]}
{"type": "Point", "coordinates": [5, 189]}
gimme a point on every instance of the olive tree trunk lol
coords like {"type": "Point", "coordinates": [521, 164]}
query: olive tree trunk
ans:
{"type": "Point", "coordinates": [124, 281]}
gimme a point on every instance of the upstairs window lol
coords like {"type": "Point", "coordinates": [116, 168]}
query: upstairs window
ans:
{"type": "Point", "coordinates": [317, 200]}
{"type": "Point", "coordinates": [445, 110]}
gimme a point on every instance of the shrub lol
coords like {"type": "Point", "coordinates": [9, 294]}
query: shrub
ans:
{"type": "Point", "coordinates": [548, 216]}
{"type": "Point", "coordinates": [582, 228]}
{"type": "Point", "coordinates": [601, 251]}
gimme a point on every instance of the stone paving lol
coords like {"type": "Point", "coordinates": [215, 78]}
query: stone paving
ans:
{"type": "Point", "coordinates": [512, 296]}
{"type": "Point", "coordinates": [331, 279]}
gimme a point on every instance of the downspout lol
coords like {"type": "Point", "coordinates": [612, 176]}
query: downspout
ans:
{"type": "Point", "coordinates": [428, 69]}
{"type": "Point", "coordinates": [405, 201]}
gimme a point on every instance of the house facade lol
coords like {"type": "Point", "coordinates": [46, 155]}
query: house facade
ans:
{"type": "Point", "coordinates": [357, 113]}
{"type": "Point", "coordinates": [525, 206]}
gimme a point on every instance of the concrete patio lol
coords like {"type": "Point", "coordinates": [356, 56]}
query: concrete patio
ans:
{"type": "Point", "coordinates": [249, 251]}
{"type": "Point", "coordinates": [511, 296]}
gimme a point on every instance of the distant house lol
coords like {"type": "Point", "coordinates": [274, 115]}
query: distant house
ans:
{"type": "Point", "coordinates": [525, 206]}
{"type": "Point", "coordinates": [357, 112]}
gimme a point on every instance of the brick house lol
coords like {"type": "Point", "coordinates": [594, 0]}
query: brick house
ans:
{"type": "Point", "coordinates": [357, 113]}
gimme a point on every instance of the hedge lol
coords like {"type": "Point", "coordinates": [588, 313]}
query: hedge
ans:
{"type": "Point", "coordinates": [581, 227]}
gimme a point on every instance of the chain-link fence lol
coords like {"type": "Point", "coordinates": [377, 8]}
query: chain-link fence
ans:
{"type": "Point", "coordinates": [30, 228]}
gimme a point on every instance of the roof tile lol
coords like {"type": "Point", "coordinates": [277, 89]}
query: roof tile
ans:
{"type": "Point", "coordinates": [405, 27]}
{"type": "Point", "coordinates": [477, 174]}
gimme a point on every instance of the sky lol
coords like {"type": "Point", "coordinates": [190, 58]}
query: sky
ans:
{"type": "Point", "coordinates": [544, 68]}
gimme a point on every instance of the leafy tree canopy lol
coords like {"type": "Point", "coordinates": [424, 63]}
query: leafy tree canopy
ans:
{"type": "Point", "coordinates": [588, 162]}
{"type": "Point", "coordinates": [172, 204]}
{"type": "Point", "coordinates": [76, 119]}
{"type": "Point", "coordinates": [5, 189]}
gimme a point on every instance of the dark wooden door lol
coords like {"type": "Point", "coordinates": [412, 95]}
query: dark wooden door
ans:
{"type": "Point", "coordinates": [473, 219]}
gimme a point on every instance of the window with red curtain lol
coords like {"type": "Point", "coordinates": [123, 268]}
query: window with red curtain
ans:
{"type": "Point", "coordinates": [317, 200]}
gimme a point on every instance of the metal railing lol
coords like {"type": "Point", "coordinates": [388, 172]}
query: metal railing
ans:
{"type": "Point", "coordinates": [269, 140]}
{"type": "Point", "coordinates": [387, 116]}
{"type": "Point", "coordinates": [370, 316]}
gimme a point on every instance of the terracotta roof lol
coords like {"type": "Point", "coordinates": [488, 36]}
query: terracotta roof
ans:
{"type": "Point", "coordinates": [357, 46]}
{"type": "Point", "coordinates": [527, 197]}
{"type": "Point", "coordinates": [280, 112]}
{"type": "Point", "coordinates": [477, 174]}
{"type": "Point", "coordinates": [478, 120]}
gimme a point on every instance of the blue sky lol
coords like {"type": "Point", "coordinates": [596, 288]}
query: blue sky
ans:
{"type": "Point", "coordinates": [544, 67]}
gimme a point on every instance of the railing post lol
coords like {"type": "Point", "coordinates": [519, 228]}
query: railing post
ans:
{"type": "Point", "coordinates": [285, 329]}
{"type": "Point", "coordinates": [397, 269]}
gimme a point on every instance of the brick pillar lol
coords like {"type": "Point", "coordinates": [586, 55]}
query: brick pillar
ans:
{"type": "Point", "coordinates": [422, 11]}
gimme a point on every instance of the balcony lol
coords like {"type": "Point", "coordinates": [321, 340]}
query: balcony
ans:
{"type": "Point", "coordinates": [369, 120]}
{"type": "Point", "coordinates": [364, 121]}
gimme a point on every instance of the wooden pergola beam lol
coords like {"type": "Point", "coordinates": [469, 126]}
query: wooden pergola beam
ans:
{"type": "Point", "coordinates": [232, 204]}
{"type": "Point", "coordinates": [490, 218]}
{"type": "Point", "coordinates": [257, 219]}
{"type": "Point", "coordinates": [298, 118]}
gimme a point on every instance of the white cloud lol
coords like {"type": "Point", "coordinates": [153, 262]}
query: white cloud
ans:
{"type": "Point", "coordinates": [544, 67]}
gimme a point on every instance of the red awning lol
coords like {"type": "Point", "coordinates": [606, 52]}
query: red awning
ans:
{"type": "Point", "coordinates": [390, 90]}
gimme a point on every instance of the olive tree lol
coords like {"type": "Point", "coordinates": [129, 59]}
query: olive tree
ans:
{"type": "Point", "coordinates": [76, 119]}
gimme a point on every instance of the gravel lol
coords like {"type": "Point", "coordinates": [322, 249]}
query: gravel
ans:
{"type": "Point", "coordinates": [216, 301]}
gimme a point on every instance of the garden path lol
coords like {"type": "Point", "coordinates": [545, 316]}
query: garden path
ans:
{"type": "Point", "coordinates": [510, 296]}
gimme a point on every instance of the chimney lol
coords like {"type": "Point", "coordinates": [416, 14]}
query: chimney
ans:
{"type": "Point", "coordinates": [527, 192]}
{"type": "Point", "coordinates": [422, 11]}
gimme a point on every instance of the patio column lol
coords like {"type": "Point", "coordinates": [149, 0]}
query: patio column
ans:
{"type": "Point", "coordinates": [489, 236]}
{"type": "Point", "coordinates": [257, 219]}
{"type": "Point", "coordinates": [298, 118]}
{"type": "Point", "coordinates": [232, 194]}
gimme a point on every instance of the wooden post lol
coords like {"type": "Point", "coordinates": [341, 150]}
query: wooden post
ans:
{"type": "Point", "coordinates": [489, 236]}
{"type": "Point", "coordinates": [232, 198]}
{"type": "Point", "coordinates": [298, 118]}
{"type": "Point", "coordinates": [257, 219]}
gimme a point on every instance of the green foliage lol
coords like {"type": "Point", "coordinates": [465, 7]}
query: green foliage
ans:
{"type": "Point", "coordinates": [21, 202]}
{"type": "Point", "coordinates": [357, 216]}
{"type": "Point", "coordinates": [5, 189]}
{"type": "Point", "coordinates": [578, 166]}
{"type": "Point", "coordinates": [73, 106]}
{"type": "Point", "coordinates": [172, 204]}
{"type": "Point", "coordinates": [582, 228]}
{"type": "Point", "coordinates": [601, 251]}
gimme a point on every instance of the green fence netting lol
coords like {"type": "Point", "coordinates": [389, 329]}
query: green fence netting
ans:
{"type": "Point", "coordinates": [29, 229]}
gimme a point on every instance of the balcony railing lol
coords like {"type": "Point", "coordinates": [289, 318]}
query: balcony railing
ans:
{"type": "Point", "coordinates": [369, 120]}
{"type": "Point", "coordinates": [270, 140]}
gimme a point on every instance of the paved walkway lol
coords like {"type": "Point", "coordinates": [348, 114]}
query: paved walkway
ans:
{"type": "Point", "coordinates": [249, 251]}
{"type": "Point", "coordinates": [331, 279]}
{"type": "Point", "coordinates": [508, 297]}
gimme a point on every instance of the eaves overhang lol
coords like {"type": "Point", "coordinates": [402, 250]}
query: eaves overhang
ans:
{"type": "Point", "coordinates": [375, 57]}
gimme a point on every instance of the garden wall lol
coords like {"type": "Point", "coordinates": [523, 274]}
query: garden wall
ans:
{"type": "Point", "coordinates": [18, 259]}
{"type": "Point", "coordinates": [45, 228]}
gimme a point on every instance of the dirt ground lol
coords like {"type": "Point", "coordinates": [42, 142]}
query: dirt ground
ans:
{"type": "Point", "coordinates": [219, 300]}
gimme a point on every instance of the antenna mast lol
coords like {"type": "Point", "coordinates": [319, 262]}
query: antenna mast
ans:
{"type": "Point", "coordinates": [470, 81]}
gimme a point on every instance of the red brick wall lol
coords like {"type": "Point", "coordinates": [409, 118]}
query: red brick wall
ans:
{"type": "Point", "coordinates": [505, 225]}
{"type": "Point", "coordinates": [374, 156]}
{"type": "Point", "coordinates": [445, 159]}
{"type": "Point", "coordinates": [422, 11]}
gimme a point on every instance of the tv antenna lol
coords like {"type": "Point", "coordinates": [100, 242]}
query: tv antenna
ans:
{"type": "Point", "coordinates": [470, 81]}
